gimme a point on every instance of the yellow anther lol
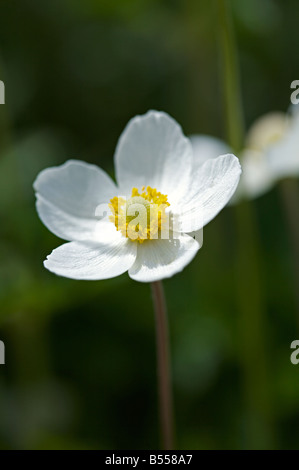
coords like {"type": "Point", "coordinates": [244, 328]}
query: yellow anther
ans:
{"type": "Point", "coordinates": [142, 217]}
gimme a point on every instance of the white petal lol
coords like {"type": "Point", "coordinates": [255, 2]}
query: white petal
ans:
{"type": "Point", "coordinates": [206, 147]}
{"type": "Point", "coordinates": [213, 185]}
{"type": "Point", "coordinates": [283, 157]}
{"type": "Point", "coordinates": [93, 260]}
{"type": "Point", "coordinates": [152, 151]}
{"type": "Point", "coordinates": [159, 259]}
{"type": "Point", "coordinates": [267, 130]}
{"type": "Point", "coordinates": [68, 196]}
{"type": "Point", "coordinates": [257, 177]}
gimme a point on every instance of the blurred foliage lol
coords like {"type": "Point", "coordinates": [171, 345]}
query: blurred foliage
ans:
{"type": "Point", "coordinates": [80, 360]}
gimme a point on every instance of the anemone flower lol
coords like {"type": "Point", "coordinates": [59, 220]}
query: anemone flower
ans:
{"type": "Point", "coordinates": [270, 156]}
{"type": "Point", "coordinates": [270, 153]}
{"type": "Point", "coordinates": [156, 175]}
{"type": "Point", "coordinates": [146, 224]}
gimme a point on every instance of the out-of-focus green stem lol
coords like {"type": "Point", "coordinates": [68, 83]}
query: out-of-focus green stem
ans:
{"type": "Point", "coordinates": [252, 331]}
{"type": "Point", "coordinates": [230, 78]}
{"type": "Point", "coordinates": [289, 190]}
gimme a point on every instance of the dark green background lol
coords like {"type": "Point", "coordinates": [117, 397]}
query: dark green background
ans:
{"type": "Point", "coordinates": [80, 356]}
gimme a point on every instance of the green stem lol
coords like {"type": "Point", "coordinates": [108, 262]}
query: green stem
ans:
{"type": "Point", "coordinates": [163, 363]}
{"type": "Point", "coordinates": [251, 303]}
{"type": "Point", "coordinates": [252, 330]}
{"type": "Point", "coordinates": [290, 197]}
{"type": "Point", "coordinates": [231, 78]}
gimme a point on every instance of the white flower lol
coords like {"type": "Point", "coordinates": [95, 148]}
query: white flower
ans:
{"type": "Point", "coordinates": [271, 153]}
{"type": "Point", "coordinates": [284, 155]}
{"type": "Point", "coordinates": [152, 153]}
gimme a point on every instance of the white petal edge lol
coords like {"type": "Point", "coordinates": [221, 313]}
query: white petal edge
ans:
{"type": "Point", "coordinates": [206, 147]}
{"type": "Point", "coordinates": [153, 151]}
{"type": "Point", "coordinates": [68, 197]}
{"type": "Point", "coordinates": [160, 259]}
{"type": "Point", "coordinates": [214, 183]}
{"type": "Point", "coordinates": [92, 260]}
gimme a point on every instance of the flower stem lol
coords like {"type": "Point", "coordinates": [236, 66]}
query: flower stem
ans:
{"type": "Point", "coordinates": [252, 329]}
{"type": "Point", "coordinates": [163, 365]}
{"type": "Point", "coordinates": [231, 78]}
{"type": "Point", "coordinates": [290, 197]}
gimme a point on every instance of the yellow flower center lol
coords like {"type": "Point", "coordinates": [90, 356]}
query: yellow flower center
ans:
{"type": "Point", "coordinates": [142, 217]}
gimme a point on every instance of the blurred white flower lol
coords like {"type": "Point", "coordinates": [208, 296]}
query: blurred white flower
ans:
{"type": "Point", "coordinates": [155, 169]}
{"type": "Point", "coordinates": [271, 153]}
